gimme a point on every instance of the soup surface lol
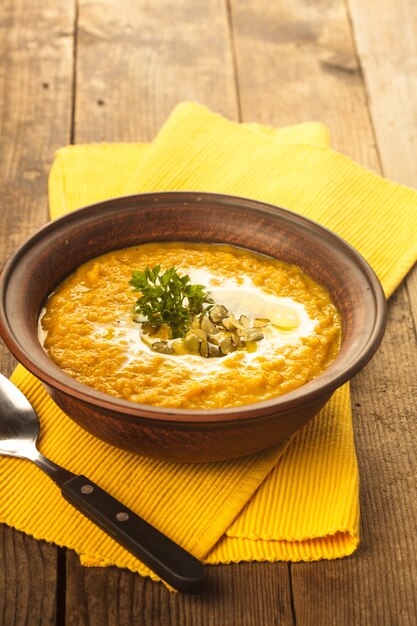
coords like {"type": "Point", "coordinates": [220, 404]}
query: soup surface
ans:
{"type": "Point", "coordinates": [89, 328]}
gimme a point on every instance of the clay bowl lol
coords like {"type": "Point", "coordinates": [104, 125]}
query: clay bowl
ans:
{"type": "Point", "coordinates": [55, 251]}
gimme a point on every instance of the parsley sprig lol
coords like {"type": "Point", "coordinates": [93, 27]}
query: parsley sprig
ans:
{"type": "Point", "coordinates": [168, 298]}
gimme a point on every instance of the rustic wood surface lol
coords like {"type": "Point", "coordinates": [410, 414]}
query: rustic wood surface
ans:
{"type": "Point", "coordinates": [86, 71]}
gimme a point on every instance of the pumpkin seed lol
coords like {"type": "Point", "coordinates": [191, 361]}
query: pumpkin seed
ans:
{"type": "Point", "coordinates": [238, 341]}
{"type": "Point", "coordinates": [218, 313]}
{"type": "Point", "coordinates": [179, 347]}
{"type": "Point", "coordinates": [216, 333]}
{"type": "Point", "coordinates": [245, 321]}
{"type": "Point", "coordinates": [237, 324]}
{"type": "Point", "coordinates": [215, 339]}
{"type": "Point", "coordinates": [214, 350]}
{"type": "Point", "coordinates": [192, 342]}
{"type": "Point", "coordinates": [227, 346]}
{"type": "Point", "coordinates": [228, 323]}
{"type": "Point", "coordinates": [204, 350]}
{"type": "Point", "coordinates": [208, 326]}
{"type": "Point", "coordinates": [163, 347]}
{"type": "Point", "coordinates": [254, 335]}
{"type": "Point", "coordinates": [200, 333]}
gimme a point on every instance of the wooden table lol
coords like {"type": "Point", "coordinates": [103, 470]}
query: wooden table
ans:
{"type": "Point", "coordinates": [82, 71]}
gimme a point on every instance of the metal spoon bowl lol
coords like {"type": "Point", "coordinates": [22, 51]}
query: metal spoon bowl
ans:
{"type": "Point", "coordinates": [19, 431]}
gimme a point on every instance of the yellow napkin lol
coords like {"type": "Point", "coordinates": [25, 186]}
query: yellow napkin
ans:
{"type": "Point", "coordinates": [296, 502]}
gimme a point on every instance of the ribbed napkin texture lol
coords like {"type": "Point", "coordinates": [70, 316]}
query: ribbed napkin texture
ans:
{"type": "Point", "coordinates": [297, 502]}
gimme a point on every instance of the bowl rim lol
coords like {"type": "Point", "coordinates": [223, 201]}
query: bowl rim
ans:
{"type": "Point", "coordinates": [319, 387]}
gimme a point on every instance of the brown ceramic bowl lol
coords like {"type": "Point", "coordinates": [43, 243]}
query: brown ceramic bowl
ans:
{"type": "Point", "coordinates": [55, 251]}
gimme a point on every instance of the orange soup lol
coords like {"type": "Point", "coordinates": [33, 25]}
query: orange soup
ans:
{"type": "Point", "coordinates": [270, 329]}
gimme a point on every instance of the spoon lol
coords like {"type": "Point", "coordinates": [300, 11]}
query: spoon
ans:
{"type": "Point", "coordinates": [19, 430]}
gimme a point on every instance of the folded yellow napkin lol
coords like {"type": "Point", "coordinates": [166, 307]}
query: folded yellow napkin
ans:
{"type": "Point", "coordinates": [298, 501]}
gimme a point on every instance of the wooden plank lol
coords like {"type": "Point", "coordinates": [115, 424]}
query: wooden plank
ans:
{"type": "Point", "coordinates": [306, 68]}
{"type": "Point", "coordinates": [246, 594]}
{"type": "Point", "coordinates": [385, 35]}
{"type": "Point", "coordinates": [411, 283]}
{"type": "Point", "coordinates": [386, 38]}
{"type": "Point", "coordinates": [28, 581]}
{"type": "Point", "coordinates": [377, 584]}
{"type": "Point", "coordinates": [35, 113]}
{"type": "Point", "coordinates": [135, 61]}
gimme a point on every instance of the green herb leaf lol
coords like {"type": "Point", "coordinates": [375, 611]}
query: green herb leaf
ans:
{"type": "Point", "coordinates": [168, 299]}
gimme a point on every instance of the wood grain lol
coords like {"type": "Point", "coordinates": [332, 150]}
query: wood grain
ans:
{"type": "Point", "coordinates": [385, 35]}
{"type": "Point", "coordinates": [35, 114]}
{"type": "Point", "coordinates": [36, 48]}
{"type": "Point", "coordinates": [296, 62]}
{"type": "Point", "coordinates": [137, 60]}
{"type": "Point", "coordinates": [243, 595]}
{"type": "Point", "coordinates": [411, 283]}
{"type": "Point", "coordinates": [377, 584]}
{"type": "Point", "coordinates": [28, 580]}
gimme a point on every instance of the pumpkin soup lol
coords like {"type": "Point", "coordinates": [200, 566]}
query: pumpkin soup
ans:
{"type": "Point", "coordinates": [193, 326]}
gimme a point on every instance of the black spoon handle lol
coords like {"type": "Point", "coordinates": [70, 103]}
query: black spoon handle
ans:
{"type": "Point", "coordinates": [172, 563]}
